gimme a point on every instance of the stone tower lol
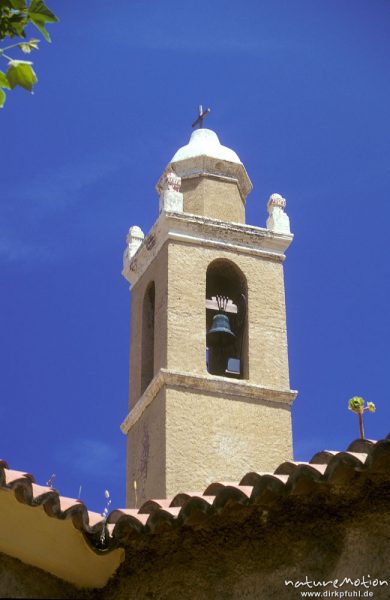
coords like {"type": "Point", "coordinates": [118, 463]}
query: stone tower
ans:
{"type": "Point", "coordinates": [206, 406]}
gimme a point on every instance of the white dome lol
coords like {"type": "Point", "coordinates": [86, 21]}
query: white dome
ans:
{"type": "Point", "coordinates": [204, 142]}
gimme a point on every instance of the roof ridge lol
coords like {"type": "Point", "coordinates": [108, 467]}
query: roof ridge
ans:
{"type": "Point", "coordinates": [191, 508]}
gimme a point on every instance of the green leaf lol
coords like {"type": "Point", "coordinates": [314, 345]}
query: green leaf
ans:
{"type": "Point", "coordinates": [2, 98]}
{"type": "Point", "coordinates": [39, 14]}
{"type": "Point", "coordinates": [13, 24]}
{"type": "Point", "coordinates": [18, 4]}
{"type": "Point", "coordinates": [39, 11]}
{"type": "Point", "coordinates": [41, 26]}
{"type": "Point", "coordinates": [21, 73]}
{"type": "Point", "coordinates": [4, 83]}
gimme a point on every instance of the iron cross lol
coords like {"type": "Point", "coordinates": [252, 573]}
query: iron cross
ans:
{"type": "Point", "coordinates": [202, 115]}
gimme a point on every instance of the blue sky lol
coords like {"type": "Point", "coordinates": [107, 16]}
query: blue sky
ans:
{"type": "Point", "coordinates": [300, 90]}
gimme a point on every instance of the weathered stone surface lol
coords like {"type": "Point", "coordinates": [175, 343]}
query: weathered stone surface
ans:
{"type": "Point", "coordinates": [188, 430]}
{"type": "Point", "coordinates": [171, 201]}
{"type": "Point", "coordinates": [213, 198]}
{"type": "Point", "coordinates": [267, 340]}
{"type": "Point", "coordinates": [157, 272]}
{"type": "Point", "coordinates": [205, 232]}
{"type": "Point", "coordinates": [18, 580]}
{"type": "Point", "coordinates": [218, 438]}
{"type": "Point", "coordinates": [146, 454]}
{"type": "Point", "coordinates": [249, 554]}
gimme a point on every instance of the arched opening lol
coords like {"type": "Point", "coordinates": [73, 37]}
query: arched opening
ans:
{"type": "Point", "coordinates": [147, 351]}
{"type": "Point", "coordinates": [226, 317]}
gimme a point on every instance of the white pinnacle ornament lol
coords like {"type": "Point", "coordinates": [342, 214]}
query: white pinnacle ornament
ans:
{"type": "Point", "coordinates": [278, 220]}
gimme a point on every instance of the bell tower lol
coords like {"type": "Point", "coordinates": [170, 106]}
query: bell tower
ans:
{"type": "Point", "coordinates": [210, 395]}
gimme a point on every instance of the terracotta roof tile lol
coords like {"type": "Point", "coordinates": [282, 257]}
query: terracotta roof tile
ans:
{"type": "Point", "coordinates": [38, 492]}
{"type": "Point", "coordinates": [361, 445]}
{"type": "Point", "coordinates": [323, 457]}
{"type": "Point", "coordinates": [232, 494]}
{"type": "Point", "coordinates": [288, 467]}
{"type": "Point", "coordinates": [214, 488]}
{"type": "Point", "coordinates": [184, 497]}
{"type": "Point", "coordinates": [195, 510]}
{"type": "Point", "coordinates": [326, 470]}
{"type": "Point", "coordinates": [269, 488]}
{"type": "Point", "coordinates": [123, 513]}
{"type": "Point", "coordinates": [68, 504]}
{"type": "Point", "coordinates": [252, 477]}
{"type": "Point", "coordinates": [152, 505]}
{"type": "Point", "coordinates": [128, 515]}
{"type": "Point", "coordinates": [12, 477]}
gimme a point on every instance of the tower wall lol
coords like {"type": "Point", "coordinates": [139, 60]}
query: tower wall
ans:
{"type": "Point", "coordinates": [146, 454]}
{"type": "Point", "coordinates": [188, 437]}
{"type": "Point", "coordinates": [213, 198]}
{"type": "Point", "coordinates": [186, 432]}
{"type": "Point", "coordinates": [179, 275]}
{"type": "Point", "coordinates": [267, 339]}
{"type": "Point", "coordinates": [157, 272]}
{"type": "Point", "coordinates": [221, 437]}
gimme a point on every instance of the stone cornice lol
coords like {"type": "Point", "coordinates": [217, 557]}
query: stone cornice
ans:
{"type": "Point", "coordinates": [203, 231]}
{"type": "Point", "coordinates": [239, 388]}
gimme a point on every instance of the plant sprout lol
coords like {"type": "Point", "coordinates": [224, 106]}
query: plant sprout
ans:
{"type": "Point", "coordinates": [105, 515]}
{"type": "Point", "coordinates": [356, 405]}
{"type": "Point", "coordinates": [135, 492]}
{"type": "Point", "coordinates": [51, 480]}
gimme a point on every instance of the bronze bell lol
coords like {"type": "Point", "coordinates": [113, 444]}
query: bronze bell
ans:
{"type": "Point", "coordinates": [220, 333]}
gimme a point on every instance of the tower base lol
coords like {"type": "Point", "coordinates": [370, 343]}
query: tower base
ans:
{"type": "Point", "coordinates": [189, 430]}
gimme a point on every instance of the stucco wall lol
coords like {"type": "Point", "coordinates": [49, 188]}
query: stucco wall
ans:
{"type": "Point", "coordinates": [207, 437]}
{"type": "Point", "coordinates": [157, 273]}
{"type": "Point", "coordinates": [213, 187]}
{"type": "Point", "coordinates": [211, 437]}
{"type": "Point", "coordinates": [213, 198]}
{"type": "Point", "coordinates": [146, 454]}
{"type": "Point", "coordinates": [267, 336]}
